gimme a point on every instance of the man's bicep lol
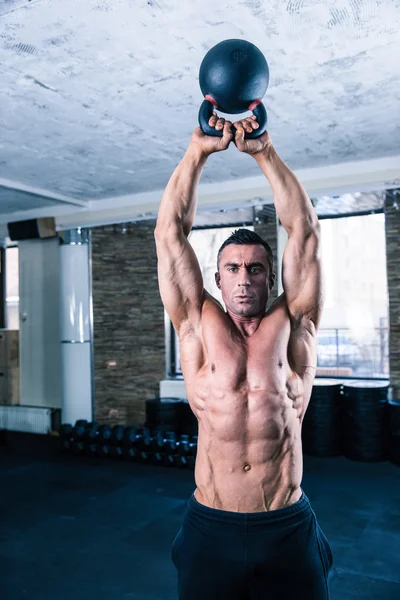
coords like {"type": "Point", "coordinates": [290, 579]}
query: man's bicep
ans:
{"type": "Point", "coordinates": [180, 279]}
{"type": "Point", "coordinates": [302, 276]}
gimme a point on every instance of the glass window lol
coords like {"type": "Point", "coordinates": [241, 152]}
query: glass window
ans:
{"type": "Point", "coordinates": [12, 288]}
{"type": "Point", "coordinates": [353, 339]}
{"type": "Point", "coordinates": [353, 335]}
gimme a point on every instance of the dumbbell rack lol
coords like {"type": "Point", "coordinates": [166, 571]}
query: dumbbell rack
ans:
{"type": "Point", "coordinates": [138, 444]}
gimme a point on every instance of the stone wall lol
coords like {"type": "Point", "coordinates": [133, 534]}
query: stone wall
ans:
{"type": "Point", "coordinates": [129, 352]}
{"type": "Point", "coordinates": [392, 225]}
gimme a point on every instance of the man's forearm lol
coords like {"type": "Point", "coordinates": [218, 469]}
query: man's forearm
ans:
{"type": "Point", "coordinates": [291, 200]}
{"type": "Point", "coordinates": [179, 201]}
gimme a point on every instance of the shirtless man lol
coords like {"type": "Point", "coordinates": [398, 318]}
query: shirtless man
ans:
{"type": "Point", "coordinates": [249, 532]}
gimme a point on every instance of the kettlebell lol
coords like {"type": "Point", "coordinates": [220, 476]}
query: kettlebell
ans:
{"type": "Point", "coordinates": [233, 77]}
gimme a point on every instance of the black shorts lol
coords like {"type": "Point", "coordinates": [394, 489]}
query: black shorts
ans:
{"type": "Point", "coordinates": [275, 555]}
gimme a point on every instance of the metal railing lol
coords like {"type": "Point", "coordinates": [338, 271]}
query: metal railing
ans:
{"type": "Point", "coordinates": [363, 352]}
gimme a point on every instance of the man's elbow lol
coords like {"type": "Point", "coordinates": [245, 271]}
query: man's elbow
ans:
{"type": "Point", "coordinates": [307, 226]}
{"type": "Point", "coordinates": [312, 229]}
{"type": "Point", "coordinates": [168, 231]}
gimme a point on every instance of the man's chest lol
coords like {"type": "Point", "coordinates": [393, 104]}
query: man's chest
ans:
{"type": "Point", "coordinates": [221, 357]}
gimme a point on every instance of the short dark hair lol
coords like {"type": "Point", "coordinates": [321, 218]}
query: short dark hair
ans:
{"type": "Point", "coordinates": [247, 237]}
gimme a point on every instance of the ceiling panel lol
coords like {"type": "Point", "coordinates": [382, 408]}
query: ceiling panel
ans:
{"type": "Point", "coordinates": [99, 98]}
{"type": "Point", "coordinates": [14, 200]}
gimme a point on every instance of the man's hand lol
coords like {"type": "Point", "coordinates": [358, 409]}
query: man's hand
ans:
{"type": "Point", "coordinates": [208, 144]}
{"type": "Point", "coordinates": [256, 146]}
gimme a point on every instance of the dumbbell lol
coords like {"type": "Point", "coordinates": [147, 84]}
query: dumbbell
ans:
{"type": "Point", "coordinates": [144, 439]}
{"type": "Point", "coordinates": [136, 444]}
{"type": "Point", "coordinates": [143, 456]}
{"type": "Point", "coordinates": [185, 456]}
{"type": "Point", "coordinates": [187, 445]}
{"type": "Point", "coordinates": [104, 450]}
{"type": "Point", "coordinates": [66, 438]}
{"type": "Point", "coordinates": [78, 447]}
{"type": "Point", "coordinates": [158, 441]}
{"type": "Point", "coordinates": [104, 441]}
{"type": "Point", "coordinates": [79, 430]}
{"type": "Point", "coordinates": [91, 438]}
{"type": "Point", "coordinates": [130, 435]}
{"type": "Point", "coordinates": [168, 459]}
{"type": "Point", "coordinates": [78, 435]}
{"type": "Point", "coordinates": [117, 435]}
{"type": "Point", "coordinates": [163, 445]}
{"type": "Point", "coordinates": [157, 458]}
{"type": "Point", "coordinates": [171, 449]}
{"type": "Point", "coordinates": [180, 461]}
{"type": "Point", "coordinates": [116, 452]}
{"type": "Point", "coordinates": [130, 453]}
{"type": "Point", "coordinates": [163, 441]}
{"type": "Point", "coordinates": [92, 431]}
{"type": "Point", "coordinates": [129, 449]}
{"type": "Point", "coordinates": [91, 449]}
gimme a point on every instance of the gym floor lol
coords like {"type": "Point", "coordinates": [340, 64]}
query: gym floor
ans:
{"type": "Point", "coordinates": [78, 528]}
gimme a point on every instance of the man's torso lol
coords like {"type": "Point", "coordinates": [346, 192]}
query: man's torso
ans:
{"type": "Point", "coordinates": [249, 396]}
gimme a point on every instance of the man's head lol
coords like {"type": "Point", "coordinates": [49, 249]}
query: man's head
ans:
{"type": "Point", "coordinates": [245, 268]}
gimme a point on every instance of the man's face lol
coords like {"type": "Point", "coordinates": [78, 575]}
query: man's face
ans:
{"type": "Point", "coordinates": [244, 279]}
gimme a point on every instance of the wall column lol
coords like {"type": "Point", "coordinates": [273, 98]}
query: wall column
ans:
{"type": "Point", "coordinates": [392, 229]}
{"type": "Point", "coordinates": [265, 225]}
{"type": "Point", "coordinates": [129, 346]}
{"type": "Point", "coordinates": [75, 310]}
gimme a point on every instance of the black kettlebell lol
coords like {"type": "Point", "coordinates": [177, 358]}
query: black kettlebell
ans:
{"type": "Point", "coordinates": [234, 77]}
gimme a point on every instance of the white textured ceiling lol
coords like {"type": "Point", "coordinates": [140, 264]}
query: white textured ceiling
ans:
{"type": "Point", "coordinates": [98, 98]}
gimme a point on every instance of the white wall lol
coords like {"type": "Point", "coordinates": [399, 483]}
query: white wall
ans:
{"type": "Point", "coordinates": [40, 352]}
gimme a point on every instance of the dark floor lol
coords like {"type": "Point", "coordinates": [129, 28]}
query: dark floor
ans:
{"type": "Point", "coordinates": [87, 529]}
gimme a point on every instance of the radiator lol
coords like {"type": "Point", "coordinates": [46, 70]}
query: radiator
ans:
{"type": "Point", "coordinates": [29, 419]}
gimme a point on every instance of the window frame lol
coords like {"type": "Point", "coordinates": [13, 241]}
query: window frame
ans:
{"type": "Point", "coordinates": [7, 245]}
{"type": "Point", "coordinates": [171, 346]}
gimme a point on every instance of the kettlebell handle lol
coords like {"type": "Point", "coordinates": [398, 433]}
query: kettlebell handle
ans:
{"type": "Point", "coordinates": [206, 111]}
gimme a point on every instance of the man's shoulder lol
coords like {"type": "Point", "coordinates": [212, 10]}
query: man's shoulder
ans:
{"type": "Point", "coordinates": [303, 323]}
{"type": "Point", "coordinates": [211, 306]}
{"type": "Point", "coordinates": [278, 308]}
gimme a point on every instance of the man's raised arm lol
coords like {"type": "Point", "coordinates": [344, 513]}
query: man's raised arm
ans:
{"type": "Point", "coordinates": [179, 275]}
{"type": "Point", "coordinates": [302, 277]}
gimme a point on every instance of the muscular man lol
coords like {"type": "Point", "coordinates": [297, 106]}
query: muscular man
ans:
{"type": "Point", "coordinates": [249, 532]}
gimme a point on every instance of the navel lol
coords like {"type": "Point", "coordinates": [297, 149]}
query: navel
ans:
{"type": "Point", "coordinates": [212, 368]}
{"type": "Point", "coordinates": [246, 467]}
{"type": "Point", "coordinates": [280, 363]}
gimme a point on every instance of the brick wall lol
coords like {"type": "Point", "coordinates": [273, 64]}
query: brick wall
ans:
{"type": "Point", "coordinates": [392, 225]}
{"type": "Point", "coordinates": [129, 353]}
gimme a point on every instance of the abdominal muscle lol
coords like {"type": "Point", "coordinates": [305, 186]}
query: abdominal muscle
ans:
{"type": "Point", "coordinates": [249, 456]}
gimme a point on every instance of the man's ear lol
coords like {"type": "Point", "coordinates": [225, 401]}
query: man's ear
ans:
{"type": "Point", "coordinates": [272, 280]}
{"type": "Point", "coordinates": [218, 279]}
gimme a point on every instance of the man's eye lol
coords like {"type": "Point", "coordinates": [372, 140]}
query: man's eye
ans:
{"type": "Point", "coordinates": [233, 269]}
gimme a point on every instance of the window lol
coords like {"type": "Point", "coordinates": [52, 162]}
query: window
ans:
{"type": "Point", "coordinates": [12, 288]}
{"type": "Point", "coordinates": [353, 339]}
{"type": "Point", "coordinates": [353, 335]}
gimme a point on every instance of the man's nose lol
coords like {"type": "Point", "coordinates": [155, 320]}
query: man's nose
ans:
{"type": "Point", "coordinates": [244, 279]}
